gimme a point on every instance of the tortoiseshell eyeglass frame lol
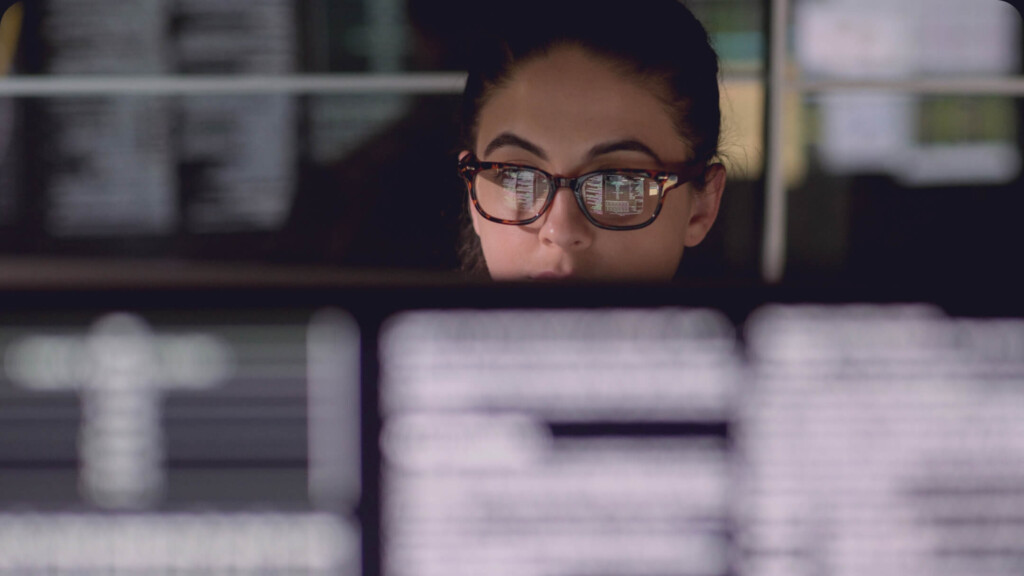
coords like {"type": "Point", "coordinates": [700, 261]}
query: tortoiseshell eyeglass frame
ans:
{"type": "Point", "coordinates": [469, 167]}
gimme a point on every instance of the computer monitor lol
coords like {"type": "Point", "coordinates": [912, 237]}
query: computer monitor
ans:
{"type": "Point", "coordinates": [504, 429]}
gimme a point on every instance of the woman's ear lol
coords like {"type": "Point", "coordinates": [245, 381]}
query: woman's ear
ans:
{"type": "Point", "coordinates": [704, 205]}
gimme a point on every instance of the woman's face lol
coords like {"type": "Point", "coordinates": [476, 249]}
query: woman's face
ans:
{"type": "Point", "coordinates": [569, 113]}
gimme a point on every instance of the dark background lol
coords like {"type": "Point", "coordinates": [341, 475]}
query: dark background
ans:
{"type": "Point", "coordinates": [364, 182]}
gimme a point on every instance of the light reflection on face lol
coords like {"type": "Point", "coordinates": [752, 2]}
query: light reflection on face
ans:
{"type": "Point", "coordinates": [569, 113]}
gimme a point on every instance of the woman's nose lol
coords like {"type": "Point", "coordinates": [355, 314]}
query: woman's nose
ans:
{"type": "Point", "coordinates": [564, 225]}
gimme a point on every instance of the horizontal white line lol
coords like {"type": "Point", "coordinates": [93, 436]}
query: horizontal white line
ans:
{"type": "Point", "coordinates": [407, 83]}
{"type": "Point", "coordinates": [1008, 86]}
{"type": "Point", "coordinates": [413, 83]}
{"type": "Point", "coordinates": [425, 83]}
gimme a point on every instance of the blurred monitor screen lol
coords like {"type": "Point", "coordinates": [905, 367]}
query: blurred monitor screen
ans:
{"type": "Point", "coordinates": [500, 432]}
{"type": "Point", "coordinates": [198, 443]}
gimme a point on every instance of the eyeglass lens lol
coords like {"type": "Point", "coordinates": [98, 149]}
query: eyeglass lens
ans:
{"type": "Point", "coordinates": [519, 194]}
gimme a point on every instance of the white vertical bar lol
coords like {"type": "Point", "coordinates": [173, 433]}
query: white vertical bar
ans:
{"type": "Point", "coordinates": [773, 255]}
{"type": "Point", "coordinates": [334, 410]}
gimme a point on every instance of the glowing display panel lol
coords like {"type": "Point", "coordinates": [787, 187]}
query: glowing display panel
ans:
{"type": "Point", "coordinates": [883, 440]}
{"type": "Point", "coordinates": [556, 442]}
{"type": "Point", "coordinates": [151, 444]}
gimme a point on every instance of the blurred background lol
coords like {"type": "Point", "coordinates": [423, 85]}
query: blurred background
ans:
{"type": "Point", "coordinates": [868, 140]}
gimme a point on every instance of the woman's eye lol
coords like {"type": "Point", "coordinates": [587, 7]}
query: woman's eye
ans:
{"type": "Point", "coordinates": [520, 189]}
{"type": "Point", "coordinates": [518, 180]}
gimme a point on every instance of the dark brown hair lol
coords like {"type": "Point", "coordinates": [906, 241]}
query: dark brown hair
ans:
{"type": "Point", "coordinates": [657, 41]}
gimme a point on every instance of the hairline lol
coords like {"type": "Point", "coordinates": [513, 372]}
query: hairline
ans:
{"type": "Point", "coordinates": [621, 65]}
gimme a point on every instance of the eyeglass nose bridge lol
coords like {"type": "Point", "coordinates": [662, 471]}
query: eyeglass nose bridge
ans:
{"type": "Point", "coordinates": [562, 182]}
{"type": "Point", "coordinates": [559, 182]}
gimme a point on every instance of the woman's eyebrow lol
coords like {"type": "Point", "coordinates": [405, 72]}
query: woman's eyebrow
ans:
{"type": "Point", "coordinates": [510, 139]}
{"type": "Point", "coordinates": [620, 145]}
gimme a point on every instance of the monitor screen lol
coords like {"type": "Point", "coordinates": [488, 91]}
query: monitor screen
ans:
{"type": "Point", "coordinates": [202, 443]}
{"type": "Point", "coordinates": [405, 431]}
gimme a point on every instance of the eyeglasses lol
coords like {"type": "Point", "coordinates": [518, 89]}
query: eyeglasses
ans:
{"type": "Point", "coordinates": [610, 199]}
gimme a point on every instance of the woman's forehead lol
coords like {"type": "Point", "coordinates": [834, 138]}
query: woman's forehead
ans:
{"type": "Point", "coordinates": [569, 99]}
